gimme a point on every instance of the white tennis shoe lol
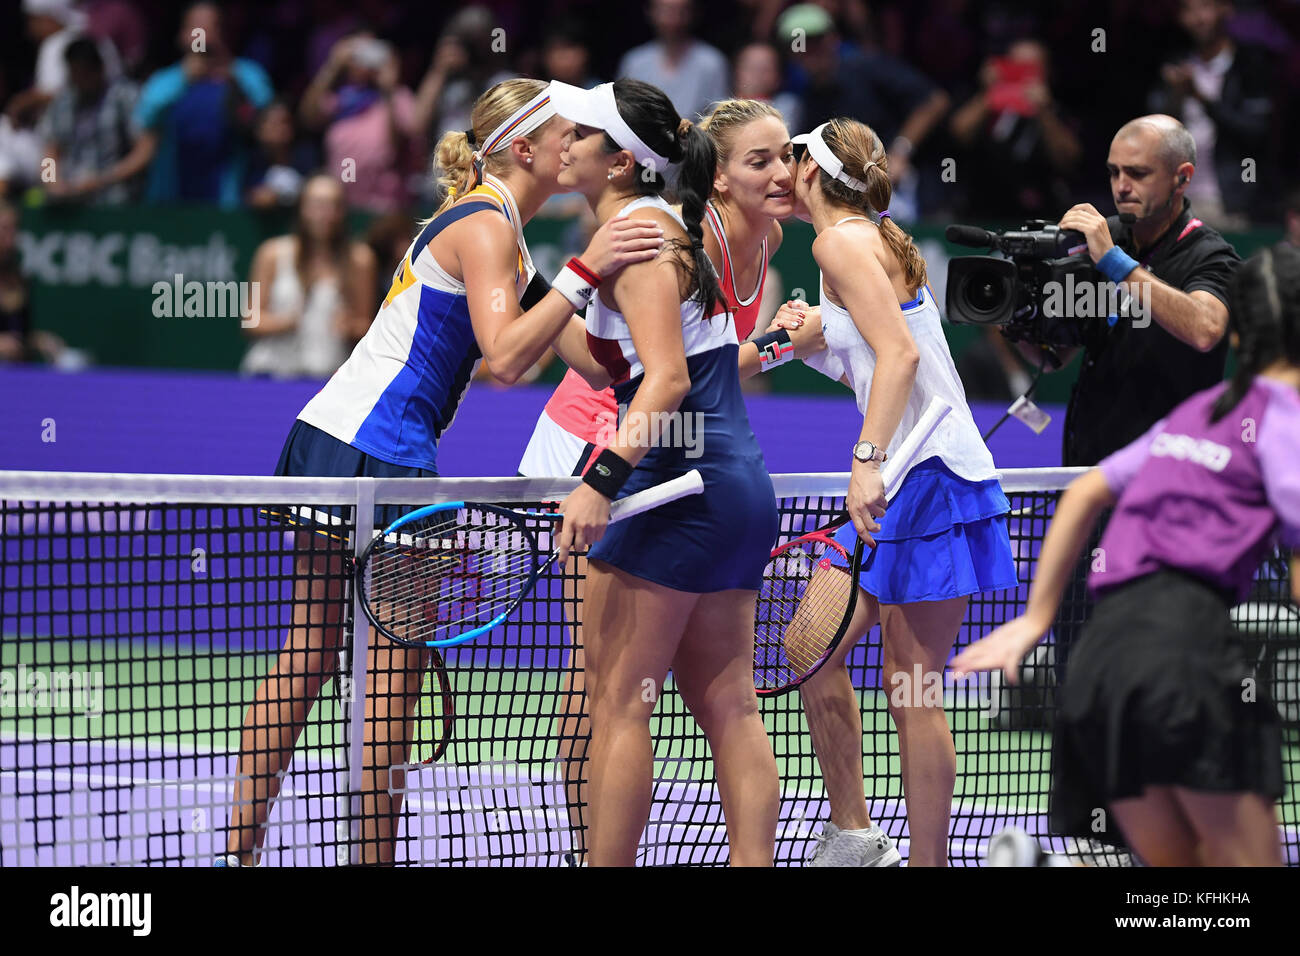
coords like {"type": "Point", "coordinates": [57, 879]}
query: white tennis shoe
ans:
{"type": "Point", "coordinates": [870, 847]}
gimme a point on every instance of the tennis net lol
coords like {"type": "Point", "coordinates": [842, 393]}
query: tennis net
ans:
{"type": "Point", "coordinates": [140, 615]}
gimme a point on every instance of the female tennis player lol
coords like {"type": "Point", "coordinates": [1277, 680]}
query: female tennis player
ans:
{"type": "Point", "coordinates": [454, 300]}
{"type": "Point", "coordinates": [752, 190]}
{"type": "Point", "coordinates": [1159, 719]}
{"type": "Point", "coordinates": [676, 588]}
{"type": "Point", "coordinates": [945, 534]}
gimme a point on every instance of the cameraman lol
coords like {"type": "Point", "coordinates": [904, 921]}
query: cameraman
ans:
{"type": "Point", "coordinates": [1136, 370]}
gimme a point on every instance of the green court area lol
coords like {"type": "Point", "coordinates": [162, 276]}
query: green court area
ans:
{"type": "Point", "coordinates": [196, 697]}
{"type": "Point", "coordinates": [146, 690]}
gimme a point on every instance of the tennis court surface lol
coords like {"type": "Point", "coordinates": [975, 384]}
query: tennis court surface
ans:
{"type": "Point", "coordinates": [139, 614]}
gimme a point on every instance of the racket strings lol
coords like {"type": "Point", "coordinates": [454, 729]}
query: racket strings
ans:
{"type": "Point", "coordinates": [429, 582]}
{"type": "Point", "coordinates": [801, 610]}
{"type": "Point", "coordinates": [467, 580]}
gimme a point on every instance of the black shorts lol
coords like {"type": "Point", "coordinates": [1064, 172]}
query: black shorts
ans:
{"type": "Point", "coordinates": [1158, 694]}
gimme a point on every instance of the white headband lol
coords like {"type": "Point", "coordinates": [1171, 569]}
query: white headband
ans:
{"type": "Point", "coordinates": [597, 108]}
{"type": "Point", "coordinates": [521, 122]}
{"type": "Point", "coordinates": [828, 161]}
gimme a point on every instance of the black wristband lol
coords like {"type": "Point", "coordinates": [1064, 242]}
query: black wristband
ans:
{"type": "Point", "coordinates": [536, 292]}
{"type": "Point", "coordinates": [608, 473]}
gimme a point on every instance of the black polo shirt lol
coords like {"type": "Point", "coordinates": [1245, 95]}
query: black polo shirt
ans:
{"type": "Point", "coordinates": [1133, 377]}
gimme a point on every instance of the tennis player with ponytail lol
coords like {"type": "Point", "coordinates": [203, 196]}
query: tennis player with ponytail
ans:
{"type": "Point", "coordinates": [454, 300]}
{"type": "Point", "coordinates": [675, 589]}
{"type": "Point", "coordinates": [944, 536]}
{"type": "Point", "coordinates": [1154, 722]}
{"type": "Point", "coordinates": [752, 190]}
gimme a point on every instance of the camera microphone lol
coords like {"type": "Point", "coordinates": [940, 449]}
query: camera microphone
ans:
{"type": "Point", "coordinates": [971, 236]}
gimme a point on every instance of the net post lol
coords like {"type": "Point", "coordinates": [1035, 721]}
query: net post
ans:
{"type": "Point", "coordinates": [353, 661]}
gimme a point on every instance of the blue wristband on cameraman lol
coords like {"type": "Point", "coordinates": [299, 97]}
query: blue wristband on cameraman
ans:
{"type": "Point", "coordinates": [1116, 264]}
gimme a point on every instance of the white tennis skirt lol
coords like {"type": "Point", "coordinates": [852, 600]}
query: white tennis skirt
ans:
{"type": "Point", "coordinates": [553, 452]}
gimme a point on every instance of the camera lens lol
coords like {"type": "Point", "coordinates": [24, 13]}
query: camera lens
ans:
{"type": "Point", "coordinates": [981, 290]}
{"type": "Point", "coordinates": [986, 292]}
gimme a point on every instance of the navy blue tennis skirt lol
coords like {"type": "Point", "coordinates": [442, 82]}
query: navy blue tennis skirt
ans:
{"type": "Point", "coordinates": [942, 537]}
{"type": "Point", "coordinates": [312, 453]}
{"type": "Point", "coordinates": [715, 541]}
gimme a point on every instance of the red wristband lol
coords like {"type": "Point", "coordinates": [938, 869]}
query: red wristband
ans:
{"type": "Point", "coordinates": [577, 266]}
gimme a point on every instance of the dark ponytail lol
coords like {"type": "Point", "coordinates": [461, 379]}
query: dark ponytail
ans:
{"type": "Point", "coordinates": [694, 186]}
{"type": "Point", "coordinates": [1264, 311]}
{"type": "Point", "coordinates": [652, 116]}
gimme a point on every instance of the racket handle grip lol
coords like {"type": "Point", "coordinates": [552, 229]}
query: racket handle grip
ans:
{"type": "Point", "coordinates": [688, 484]}
{"type": "Point", "coordinates": [891, 472]}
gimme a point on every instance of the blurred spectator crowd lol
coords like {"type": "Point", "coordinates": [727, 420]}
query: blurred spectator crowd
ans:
{"type": "Point", "coordinates": [237, 103]}
{"type": "Point", "coordinates": [994, 111]}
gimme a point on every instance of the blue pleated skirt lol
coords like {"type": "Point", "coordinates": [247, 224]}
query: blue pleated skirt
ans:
{"type": "Point", "coordinates": [942, 537]}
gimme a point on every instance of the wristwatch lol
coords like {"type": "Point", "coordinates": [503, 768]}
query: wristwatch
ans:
{"type": "Point", "coordinates": [865, 451]}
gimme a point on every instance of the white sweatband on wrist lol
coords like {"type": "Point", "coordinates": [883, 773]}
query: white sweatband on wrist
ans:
{"type": "Point", "coordinates": [576, 283]}
{"type": "Point", "coordinates": [774, 348]}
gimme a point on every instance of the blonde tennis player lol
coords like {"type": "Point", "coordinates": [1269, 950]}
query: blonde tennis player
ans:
{"type": "Point", "coordinates": [455, 300]}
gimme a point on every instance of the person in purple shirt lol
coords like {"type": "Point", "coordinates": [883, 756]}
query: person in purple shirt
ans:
{"type": "Point", "coordinates": [1160, 722]}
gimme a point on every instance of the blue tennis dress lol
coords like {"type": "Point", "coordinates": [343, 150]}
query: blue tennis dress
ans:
{"type": "Point", "coordinates": [717, 540]}
{"type": "Point", "coordinates": [944, 534]}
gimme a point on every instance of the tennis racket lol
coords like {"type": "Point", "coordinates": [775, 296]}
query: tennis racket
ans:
{"type": "Point", "coordinates": [437, 711]}
{"type": "Point", "coordinates": [810, 587]}
{"type": "Point", "coordinates": [446, 574]}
